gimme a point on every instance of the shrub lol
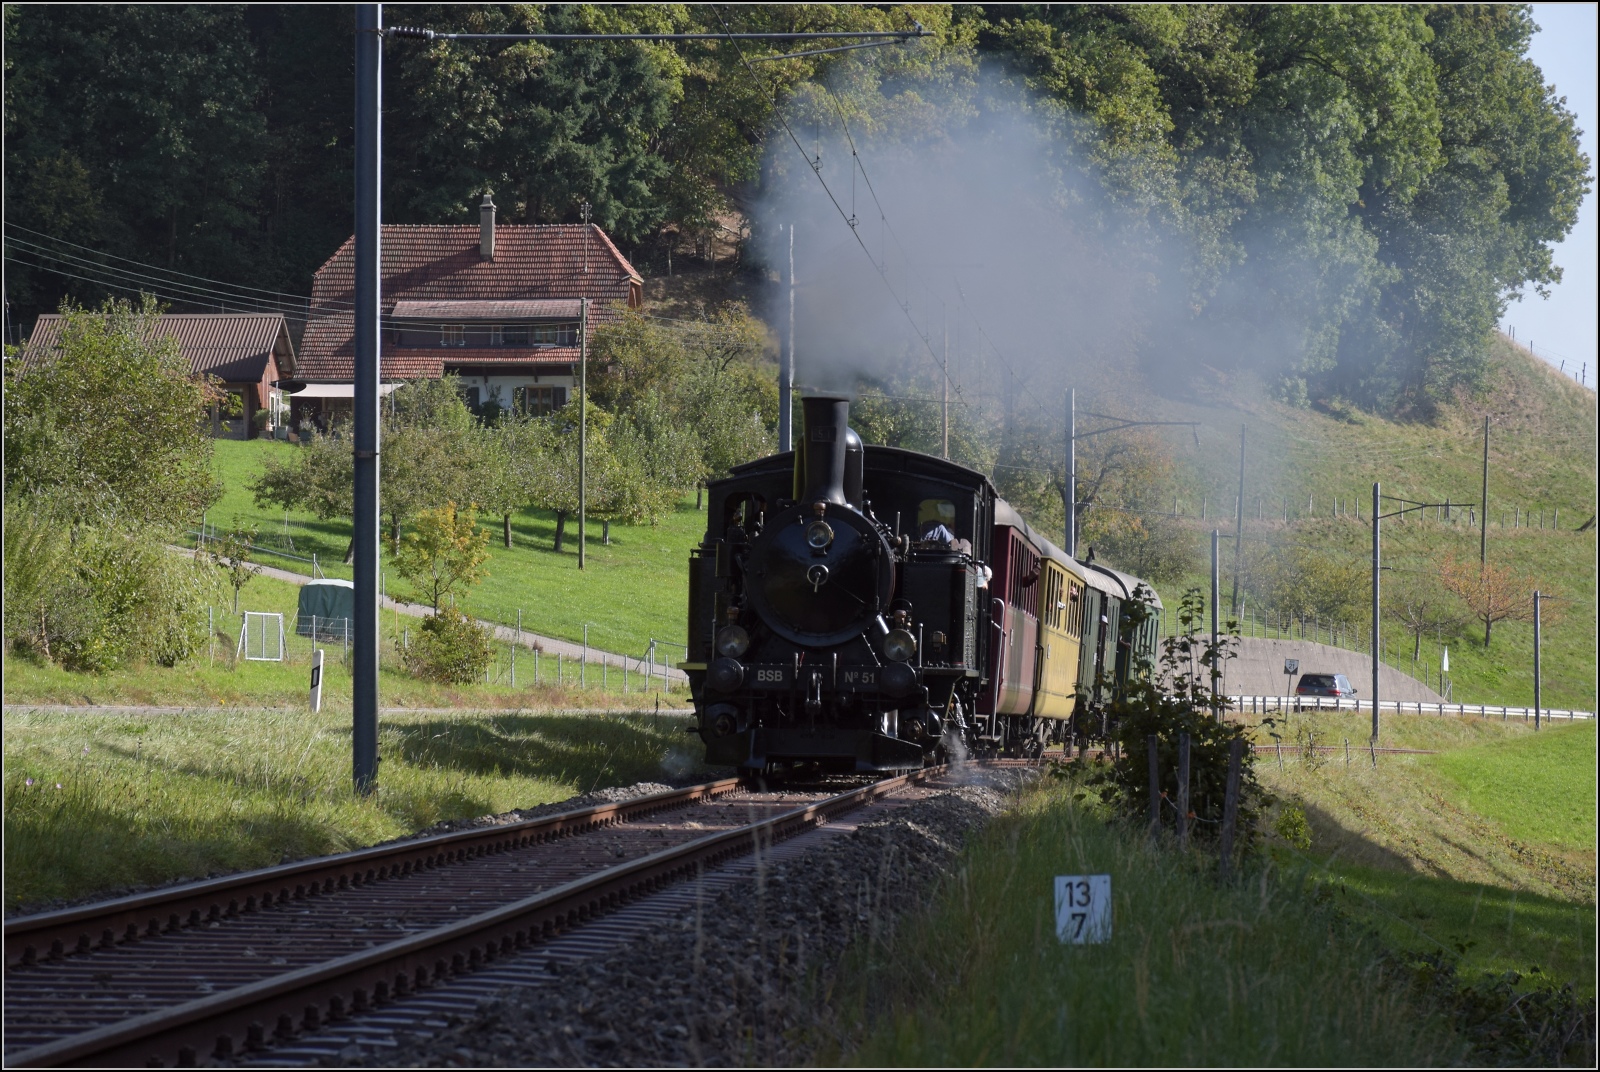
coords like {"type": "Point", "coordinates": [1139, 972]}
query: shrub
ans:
{"type": "Point", "coordinates": [451, 648]}
{"type": "Point", "coordinates": [1292, 826]}
{"type": "Point", "coordinates": [97, 598]}
{"type": "Point", "coordinates": [1166, 702]}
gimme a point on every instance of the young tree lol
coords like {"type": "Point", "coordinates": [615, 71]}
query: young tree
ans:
{"type": "Point", "coordinates": [1418, 600]}
{"type": "Point", "coordinates": [1492, 593]}
{"type": "Point", "coordinates": [232, 555]}
{"type": "Point", "coordinates": [110, 423]}
{"type": "Point", "coordinates": [443, 553]}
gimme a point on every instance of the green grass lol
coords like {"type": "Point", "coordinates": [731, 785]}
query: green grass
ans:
{"type": "Point", "coordinates": [214, 677]}
{"type": "Point", "coordinates": [631, 591]}
{"type": "Point", "coordinates": [120, 801]}
{"type": "Point", "coordinates": [1540, 788]}
{"type": "Point", "coordinates": [1196, 973]}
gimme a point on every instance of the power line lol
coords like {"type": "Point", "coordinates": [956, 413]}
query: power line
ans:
{"type": "Point", "coordinates": [816, 169]}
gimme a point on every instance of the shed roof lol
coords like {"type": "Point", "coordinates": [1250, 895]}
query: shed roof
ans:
{"type": "Point", "coordinates": [233, 347]}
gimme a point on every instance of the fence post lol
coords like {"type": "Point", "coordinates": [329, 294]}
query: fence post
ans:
{"type": "Point", "coordinates": [211, 632]}
{"type": "Point", "coordinates": [536, 666]}
{"type": "Point", "coordinates": [1183, 790]}
{"type": "Point", "coordinates": [1230, 803]}
{"type": "Point", "coordinates": [583, 668]}
{"type": "Point", "coordinates": [558, 670]}
{"type": "Point", "coordinates": [1155, 788]}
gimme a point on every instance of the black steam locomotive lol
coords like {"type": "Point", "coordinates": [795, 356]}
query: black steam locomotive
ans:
{"type": "Point", "coordinates": [857, 608]}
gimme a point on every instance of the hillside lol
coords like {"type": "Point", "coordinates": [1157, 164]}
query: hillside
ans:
{"type": "Point", "coordinates": [1311, 463]}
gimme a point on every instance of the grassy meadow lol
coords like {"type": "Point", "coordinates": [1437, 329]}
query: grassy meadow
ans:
{"type": "Point", "coordinates": [631, 590]}
{"type": "Point", "coordinates": [1480, 856]}
{"type": "Point", "coordinates": [1195, 973]}
{"type": "Point", "coordinates": [213, 676]}
{"type": "Point", "coordinates": [99, 803]}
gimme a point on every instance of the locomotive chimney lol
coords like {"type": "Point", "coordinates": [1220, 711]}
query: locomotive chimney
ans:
{"type": "Point", "coordinates": [820, 462]}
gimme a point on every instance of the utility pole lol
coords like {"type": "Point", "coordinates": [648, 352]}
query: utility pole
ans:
{"type": "Point", "coordinates": [944, 321]}
{"type": "Point", "coordinates": [1216, 633]}
{"type": "Point", "coordinates": [786, 366]}
{"type": "Point", "coordinates": [1538, 696]}
{"type": "Point", "coordinates": [1376, 519]}
{"type": "Point", "coordinates": [1238, 526]}
{"type": "Point", "coordinates": [583, 430]}
{"type": "Point", "coordinates": [368, 289]}
{"type": "Point", "coordinates": [1072, 472]}
{"type": "Point", "coordinates": [1483, 535]}
{"type": "Point", "coordinates": [1073, 435]}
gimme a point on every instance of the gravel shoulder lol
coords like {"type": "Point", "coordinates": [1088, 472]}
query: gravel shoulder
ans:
{"type": "Point", "coordinates": [735, 982]}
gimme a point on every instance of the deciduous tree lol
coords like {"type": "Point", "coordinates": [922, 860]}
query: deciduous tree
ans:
{"type": "Point", "coordinates": [443, 553]}
{"type": "Point", "coordinates": [1492, 593]}
{"type": "Point", "coordinates": [109, 425]}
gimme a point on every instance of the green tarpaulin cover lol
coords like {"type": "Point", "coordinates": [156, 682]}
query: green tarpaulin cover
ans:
{"type": "Point", "coordinates": [333, 603]}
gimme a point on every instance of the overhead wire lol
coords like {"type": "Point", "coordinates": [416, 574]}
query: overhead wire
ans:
{"type": "Point", "coordinates": [816, 169]}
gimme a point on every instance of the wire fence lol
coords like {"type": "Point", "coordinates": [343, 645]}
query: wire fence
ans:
{"type": "Point", "coordinates": [518, 660]}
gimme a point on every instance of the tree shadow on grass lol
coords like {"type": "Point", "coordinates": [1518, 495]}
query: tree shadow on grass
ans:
{"type": "Point", "coordinates": [1419, 908]}
{"type": "Point", "coordinates": [586, 751]}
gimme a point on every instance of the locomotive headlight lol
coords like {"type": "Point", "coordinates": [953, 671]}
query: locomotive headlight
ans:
{"type": "Point", "coordinates": [899, 646]}
{"type": "Point", "coordinates": [732, 641]}
{"type": "Point", "coordinates": [819, 534]}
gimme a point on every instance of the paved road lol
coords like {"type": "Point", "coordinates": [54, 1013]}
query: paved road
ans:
{"type": "Point", "coordinates": [1258, 671]}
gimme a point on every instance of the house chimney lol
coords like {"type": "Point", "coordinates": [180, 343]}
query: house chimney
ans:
{"type": "Point", "coordinates": [486, 227]}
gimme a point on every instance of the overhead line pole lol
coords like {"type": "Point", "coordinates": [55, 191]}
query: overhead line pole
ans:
{"type": "Point", "coordinates": [1483, 511]}
{"type": "Point", "coordinates": [368, 297]}
{"type": "Point", "coordinates": [1072, 473]}
{"type": "Point", "coordinates": [945, 324]}
{"type": "Point", "coordinates": [1376, 650]}
{"type": "Point", "coordinates": [1073, 435]}
{"type": "Point", "coordinates": [1238, 525]}
{"type": "Point", "coordinates": [583, 431]}
{"type": "Point", "coordinates": [786, 366]}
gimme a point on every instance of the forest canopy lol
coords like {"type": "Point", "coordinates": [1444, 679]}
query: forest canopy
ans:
{"type": "Point", "coordinates": [1412, 154]}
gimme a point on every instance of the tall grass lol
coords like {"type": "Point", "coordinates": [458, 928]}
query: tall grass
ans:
{"type": "Point", "coordinates": [96, 803]}
{"type": "Point", "coordinates": [1257, 972]}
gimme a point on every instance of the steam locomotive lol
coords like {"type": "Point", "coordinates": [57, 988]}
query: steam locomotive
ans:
{"type": "Point", "coordinates": [857, 609]}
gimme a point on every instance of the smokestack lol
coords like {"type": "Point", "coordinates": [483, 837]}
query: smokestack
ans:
{"type": "Point", "coordinates": [486, 227]}
{"type": "Point", "coordinates": [820, 461]}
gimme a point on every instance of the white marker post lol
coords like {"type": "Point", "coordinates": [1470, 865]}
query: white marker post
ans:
{"type": "Point", "coordinates": [1083, 909]}
{"type": "Point", "coordinates": [316, 681]}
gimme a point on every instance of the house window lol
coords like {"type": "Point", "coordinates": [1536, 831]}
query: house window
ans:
{"type": "Point", "coordinates": [511, 335]}
{"type": "Point", "coordinates": [555, 334]}
{"type": "Point", "coordinates": [453, 335]}
{"type": "Point", "coordinates": [539, 401]}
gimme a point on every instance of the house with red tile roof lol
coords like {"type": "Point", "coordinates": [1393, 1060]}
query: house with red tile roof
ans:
{"type": "Point", "coordinates": [496, 306]}
{"type": "Point", "coordinates": [247, 352]}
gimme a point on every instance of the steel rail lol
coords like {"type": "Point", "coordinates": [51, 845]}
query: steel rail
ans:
{"type": "Point", "coordinates": [216, 1025]}
{"type": "Point", "coordinates": [82, 928]}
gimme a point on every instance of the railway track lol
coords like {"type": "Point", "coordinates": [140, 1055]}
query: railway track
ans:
{"type": "Point", "coordinates": [226, 970]}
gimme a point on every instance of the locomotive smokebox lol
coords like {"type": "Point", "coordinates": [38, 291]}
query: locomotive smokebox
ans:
{"type": "Point", "coordinates": [820, 463]}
